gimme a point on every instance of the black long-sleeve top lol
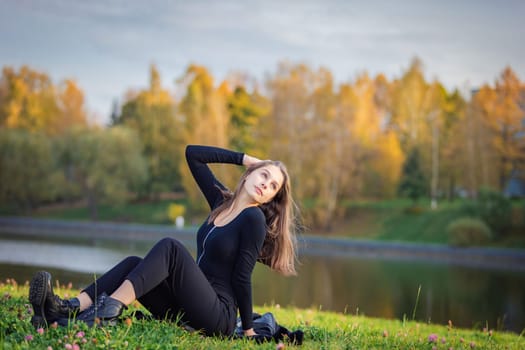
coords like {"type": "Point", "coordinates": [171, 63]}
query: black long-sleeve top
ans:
{"type": "Point", "coordinates": [227, 254]}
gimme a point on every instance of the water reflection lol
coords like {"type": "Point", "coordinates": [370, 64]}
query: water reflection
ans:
{"type": "Point", "coordinates": [469, 297]}
{"type": "Point", "coordinates": [400, 289]}
{"type": "Point", "coordinates": [63, 256]}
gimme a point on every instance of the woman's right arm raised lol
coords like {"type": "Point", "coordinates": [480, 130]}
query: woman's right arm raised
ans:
{"type": "Point", "coordinates": [198, 157]}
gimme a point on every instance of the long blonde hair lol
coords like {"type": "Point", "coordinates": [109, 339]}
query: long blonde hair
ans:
{"type": "Point", "coordinates": [280, 244]}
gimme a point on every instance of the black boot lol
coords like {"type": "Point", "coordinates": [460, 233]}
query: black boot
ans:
{"type": "Point", "coordinates": [105, 312]}
{"type": "Point", "coordinates": [47, 306]}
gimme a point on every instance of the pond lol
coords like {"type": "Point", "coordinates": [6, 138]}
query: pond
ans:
{"type": "Point", "coordinates": [395, 289]}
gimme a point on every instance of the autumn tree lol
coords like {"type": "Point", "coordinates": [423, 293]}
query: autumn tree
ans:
{"type": "Point", "coordinates": [324, 151]}
{"type": "Point", "coordinates": [300, 128]}
{"type": "Point", "coordinates": [71, 105]}
{"type": "Point", "coordinates": [28, 100]}
{"type": "Point", "coordinates": [454, 144]}
{"type": "Point", "coordinates": [335, 143]}
{"type": "Point", "coordinates": [377, 152]}
{"type": "Point", "coordinates": [205, 119]}
{"type": "Point", "coordinates": [246, 111]}
{"type": "Point", "coordinates": [502, 110]}
{"type": "Point", "coordinates": [290, 90]}
{"type": "Point", "coordinates": [152, 114]}
{"type": "Point", "coordinates": [410, 105]}
{"type": "Point", "coordinates": [417, 118]}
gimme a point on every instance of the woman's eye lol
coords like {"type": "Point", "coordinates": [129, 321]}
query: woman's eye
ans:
{"type": "Point", "coordinates": [265, 175]}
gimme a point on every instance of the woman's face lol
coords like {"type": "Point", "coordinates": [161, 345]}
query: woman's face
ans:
{"type": "Point", "coordinates": [263, 183]}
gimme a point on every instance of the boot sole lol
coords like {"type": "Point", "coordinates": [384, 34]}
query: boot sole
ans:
{"type": "Point", "coordinates": [38, 290]}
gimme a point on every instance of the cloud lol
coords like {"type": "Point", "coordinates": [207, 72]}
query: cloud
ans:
{"type": "Point", "coordinates": [108, 45]}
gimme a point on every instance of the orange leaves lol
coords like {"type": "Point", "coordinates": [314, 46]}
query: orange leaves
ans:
{"type": "Point", "coordinates": [29, 100]}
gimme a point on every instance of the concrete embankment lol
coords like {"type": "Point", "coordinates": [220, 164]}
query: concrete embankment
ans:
{"type": "Point", "coordinates": [494, 258]}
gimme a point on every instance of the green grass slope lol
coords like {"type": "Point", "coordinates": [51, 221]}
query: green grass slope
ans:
{"type": "Point", "coordinates": [323, 330]}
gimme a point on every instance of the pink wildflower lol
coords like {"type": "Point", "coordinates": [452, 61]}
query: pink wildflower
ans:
{"type": "Point", "coordinates": [472, 345]}
{"type": "Point", "coordinates": [279, 346]}
{"type": "Point", "coordinates": [80, 334]}
{"type": "Point", "coordinates": [76, 347]}
{"type": "Point", "coordinates": [40, 330]}
{"type": "Point", "coordinates": [443, 340]}
{"type": "Point", "coordinates": [432, 338]}
{"type": "Point", "coordinates": [28, 337]}
{"type": "Point", "coordinates": [385, 333]}
{"type": "Point", "coordinates": [68, 346]}
{"type": "Point", "coordinates": [49, 348]}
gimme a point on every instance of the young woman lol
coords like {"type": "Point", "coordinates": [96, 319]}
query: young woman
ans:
{"type": "Point", "coordinates": [254, 222]}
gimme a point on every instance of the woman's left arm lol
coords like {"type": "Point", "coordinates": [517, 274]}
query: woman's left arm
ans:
{"type": "Point", "coordinates": [251, 241]}
{"type": "Point", "coordinates": [248, 160]}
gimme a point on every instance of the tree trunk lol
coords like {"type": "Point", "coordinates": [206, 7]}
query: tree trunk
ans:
{"type": "Point", "coordinates": [435, 161]}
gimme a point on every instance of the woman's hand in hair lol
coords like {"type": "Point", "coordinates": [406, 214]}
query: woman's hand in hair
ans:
{"type": "Point", "coordinates": [249, 160]}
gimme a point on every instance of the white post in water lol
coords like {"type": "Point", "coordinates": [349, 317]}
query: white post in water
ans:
{"type": "Point", "coordinates": [179, 221]}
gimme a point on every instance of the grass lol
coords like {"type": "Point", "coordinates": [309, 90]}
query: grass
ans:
{"type": "Point", "coordinates": [323, 330]}
{"type": "Point", "coordinates": [152, 212]}
{"type": "Point", "coordinates": [399, 220]}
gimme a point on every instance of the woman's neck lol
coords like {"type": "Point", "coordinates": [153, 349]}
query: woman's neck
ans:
{"type": "Point", "coordinates": [238, 205]}
{"type": "Point", "coordinates": [243, 201]}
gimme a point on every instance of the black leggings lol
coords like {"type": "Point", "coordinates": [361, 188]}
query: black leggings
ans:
{"type": "Point", "coordinates": [168, 282]}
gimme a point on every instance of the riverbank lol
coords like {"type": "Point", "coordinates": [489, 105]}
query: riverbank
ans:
{"type": "Point", "coordinates": [322, 330]}
{"type": "Point", "coordinates": [371, 220]}
{"type": "Point", "coordinates": [481, 257]}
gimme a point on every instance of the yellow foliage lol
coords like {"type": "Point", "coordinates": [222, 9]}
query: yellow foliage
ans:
{"type": "Point", "coordinates": [175, 210]}
{"type": "Point", "coordinates": [206, 121]}
{"type": "Point", "coordinates": [388, 164]}
{"type": "Point", "coordinates": [32, 102]}
{"type": "Point", "coordinates": [501, 133]}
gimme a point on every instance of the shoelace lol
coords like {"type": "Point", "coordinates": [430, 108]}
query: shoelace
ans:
{"type": "Point", "coordinates": [94, 307]}
{"type": "Point", "coordinates": [60, 301]}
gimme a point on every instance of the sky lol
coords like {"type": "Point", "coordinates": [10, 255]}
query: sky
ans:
{"type": "Point", "coordinates": [107, 46]}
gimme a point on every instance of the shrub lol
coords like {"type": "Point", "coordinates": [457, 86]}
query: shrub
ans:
{"type": "Point", "coordinates": [493, 208]}
{"type": "Point", "coordinates": [414, 210]}
{"type": "Point", "coordinates": [175, 210]}
{"type": "Point", "coordinates": [466, 232]}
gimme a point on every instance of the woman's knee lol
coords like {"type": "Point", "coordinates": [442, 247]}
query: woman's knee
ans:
{"type": "Point", "coordinates": [170, 242]}
{"type": "Point", "coordinates": [131, 261]}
